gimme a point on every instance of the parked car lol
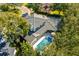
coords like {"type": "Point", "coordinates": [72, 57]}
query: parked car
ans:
{"type": "Point", "coordinates": [25, 15]}
{"type": "Point", "coordinates": [2, 40]}
{"type": "Point", "coordinates": [2, 45]}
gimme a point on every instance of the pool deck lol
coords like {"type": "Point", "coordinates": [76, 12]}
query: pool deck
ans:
{"type": "Point", "coordinates": [32, 39]}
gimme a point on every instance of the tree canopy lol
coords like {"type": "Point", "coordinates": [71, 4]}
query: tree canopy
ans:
{"type": "Point", "coordinates": [12, 26]}
{"type": "Point", "coordinates": [25, 50]}
{"type": "Point", "coordinates": [67, 40]}
{"type": "Point", "coordinates": [11, 7]}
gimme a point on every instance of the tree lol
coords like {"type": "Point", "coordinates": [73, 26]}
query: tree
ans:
{"type": "Point", "coordinates": [25, 50]}
{"type": "Point", "coordinates": [13, 27]}
{"type": "Point", "coordinates": [10, 8]}
{"type": "Point", "coordinates": [67, 40]}
{"type": "Point", "coordinates": [33, 6]}
{"type": "Point", "coordinates": [59, 6]}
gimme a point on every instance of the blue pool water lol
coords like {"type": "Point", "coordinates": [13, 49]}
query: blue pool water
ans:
{"type": "Point", "coordinates": [46, 41]}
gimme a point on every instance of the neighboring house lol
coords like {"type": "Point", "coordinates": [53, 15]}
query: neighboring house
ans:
{"type": "Point", "coordinates": [5, 49]}
{"type": "Point", "coordinates": [10, 50]}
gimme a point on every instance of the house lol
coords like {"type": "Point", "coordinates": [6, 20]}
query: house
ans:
{"type": "Point", "coordinates": [41, 24]}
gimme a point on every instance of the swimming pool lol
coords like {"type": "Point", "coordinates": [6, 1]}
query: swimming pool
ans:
{"type": "Point", "coordinates": [43, 42]}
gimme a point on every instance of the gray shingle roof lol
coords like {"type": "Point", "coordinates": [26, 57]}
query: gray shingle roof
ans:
{"type": "Point", "coordinates": [41, 24]}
